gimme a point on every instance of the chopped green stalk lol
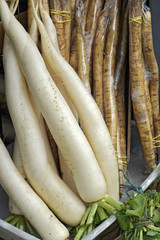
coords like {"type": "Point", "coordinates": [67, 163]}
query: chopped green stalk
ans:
{"type": "Point", "coordinates": [22, 224]}
{"type": "Point", "coordinates": [92, 213]}
{"type": "Point", "coordinates": [151, 207]}
{"type": "Point", "coordinates": [107, 207]}
{"type": "Point", "coordinates": [84, 233]}
{"type": "Point", "coordinates": [116, 204]}
{"type": "Point", "coordinates": [101, 213]}
{"type": "Point", "coordinates": [141, 235]}
{"type": "Point", "coordinates": [14, 221]}
{"type": "Point", "coordinates": [90, 228]}
{"type": "Point", "coordinates": [85, 216]}
{"type": "Point", "coordinates": [97, 220]}
{"type": "Point", "coordinates": [8, 219]}
{"type": "Point", "coordinates": [144, 229]}
{"type": "Point", "coordinates": [154, 228]}
{"type": "Point", "coordinates": [80, 232]}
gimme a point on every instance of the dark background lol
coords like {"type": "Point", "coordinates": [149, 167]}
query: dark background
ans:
{"type": "Point", "coordinates": [155, 10]}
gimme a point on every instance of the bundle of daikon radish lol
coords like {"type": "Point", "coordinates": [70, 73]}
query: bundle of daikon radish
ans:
{"type": "Point", "coordinates": [40, 83]}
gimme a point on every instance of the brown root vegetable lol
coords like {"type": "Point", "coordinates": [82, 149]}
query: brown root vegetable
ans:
{"type": "Point", "coordinates": [73, 9]}
{"type": "Point", "coordinates": [81, 12]}
{"type": "Point", "coordinates": [98, 52]}
{"type": "Point", "coordinates": [122, 47]}
{"type": "Point", "coordinates": [152, 68]}
{"type": "Point", "coordinates": [45, 5]}
{"type": "Point", "coordinates": [109, 71]}
{"type": "Point", "coordinates": [57, 18]}
{"type": "Point", "coordinates": [137, 83]}
{"type": "Point", "coordinates": [73, 51]}
{"type": "Point", "coordinates": [121, 127]}
{"type": "Point", "coordinates": [120, 88]}
{"type": "Point", "coordinates": [66, 7]}
{"type": "Point", "coordinates": [146, 76]}
{"type": "Point", "coordinates": [83, 70]}
{"type": "Point", "coordinates": [94, 9]}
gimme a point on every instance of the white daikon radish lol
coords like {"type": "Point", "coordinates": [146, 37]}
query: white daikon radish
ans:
{"type": "Point", "coordinates": [90, 116]}
{"type": "Point", "coordinates": [69, 137]}
{"type": "Point", "coordinates": [30, 204]}
{"type": "Point", "coordinates": [61, 200]}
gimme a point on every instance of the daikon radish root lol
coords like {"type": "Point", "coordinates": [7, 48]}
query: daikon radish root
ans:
{"type": "Point", "coordinates": [46, 52]}
{"type": "Point", "coordinates": [92, 121]}
{"type": "Point", "coordinates": [44, 129]}
{"type": "Point", "coordinates": [109, 71]}
{"type": "Point", "coordinates": [94, 9]}
{"type": "Point", "coordinates": [57, 17]}
{"type": "Point", "coordinates": [66, 7]}
{"type": "Point", "coordinates": [50, 154]}
{"type": "Point", "coordinates": [33, 31]}
{"type": "Point", "coordinates": [98, 52]}
{"type": "Point", "coordinates": [41, 176]}
{"type": "Point", "coordinates": [61, 165]}
{"type": "Point", "coordinates": [152, 68]}
{"type": "Point", "coordinates": [30, 204]}
{"type": "Point", "coordinates": [137, 83]}
{"type": "Point", "coordinates": [146, 76]}
{"type": "Point", "coordinates": [65, 129]}
{"type": "Point", "coordinates": [17, 159]}
{"type": "Point", "coordinates": [50, 28]}
{"type": "Point", "coordinates": [66, 174]}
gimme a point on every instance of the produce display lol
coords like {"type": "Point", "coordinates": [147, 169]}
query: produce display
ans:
{"type": "Point", "coordinates": [71, 79]}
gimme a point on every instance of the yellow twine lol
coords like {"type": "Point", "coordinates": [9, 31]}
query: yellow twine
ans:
{"type": "Point", "coordinates": [63, 13]}
{"type": "Point", "coordinates": [123, 163]}
{"type": "Point", "coordinates": [156, 141]}
{"type": "Point", "coordinates": [136, 19]}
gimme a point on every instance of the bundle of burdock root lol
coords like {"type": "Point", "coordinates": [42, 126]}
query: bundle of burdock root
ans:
{"type": "Point", "coordinates": [71, 80]}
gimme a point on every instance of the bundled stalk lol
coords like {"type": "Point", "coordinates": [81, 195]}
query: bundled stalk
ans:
{"type": "Point", "coordinates": [121, 127]}
{"type": "Point", "coordinates": [98, 52]}
{"type": "Point", "coordinates": [66, 7]}
{"type": "Point", "coordinates": [120, 90]}
{"type": "Point", "coordinates": [94, 9]}
{"type": "Point", "coordinates": [137, 83]}
{"type": "Point", "coordinates": [57, 17]}
{"type": "Point", "coordinates": [83, 68]}
{"type": "Point", "coordinates": [109, 71]}
{"type": "Point", "coordinates": [73, 49]}
{"type": "Point", "coordinates": [81, 11]}
{"type": "Point", "coordinates": [73, 9]}
{"type": "Point", "coordinates": [152, 69]}
{"type": "Point", "coordinates": [146, 76]}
